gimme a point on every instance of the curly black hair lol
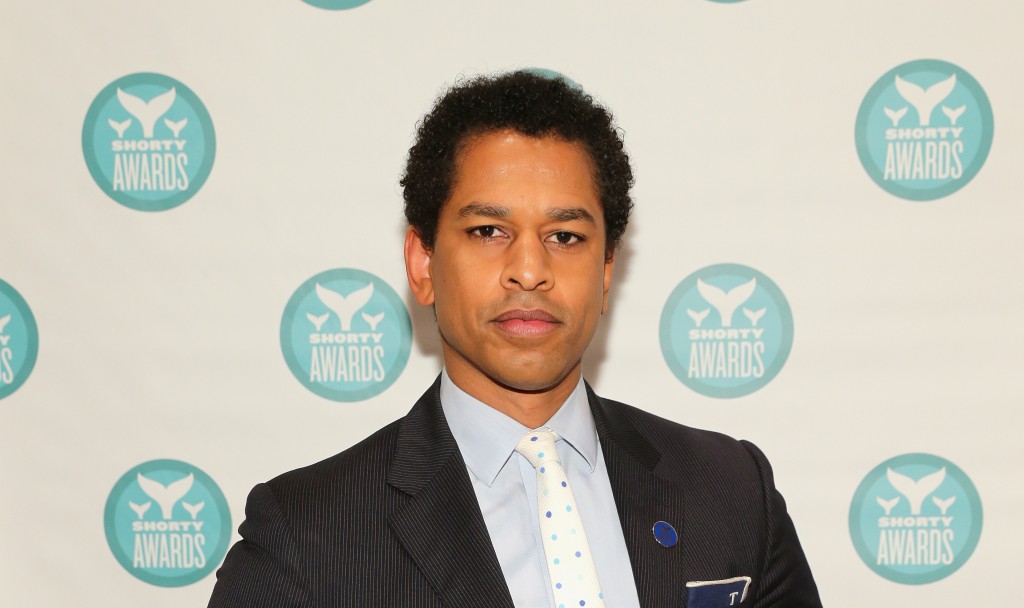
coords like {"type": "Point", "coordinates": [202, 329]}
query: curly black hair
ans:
{"type": "Point", "coordinates": [530, 104]}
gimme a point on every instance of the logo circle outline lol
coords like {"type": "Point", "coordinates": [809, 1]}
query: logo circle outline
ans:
{"type": "Point", "coordinates": [861, 493]}
{"type": "Point", "coordinates": [771, 371]}
{"type": "Point", "coordinates": [206, 123]}
{"type": "Point", "coordinates": [110, 526]}
{"type": "Point", "coordinates": [288, 319]}
{"type": "Point", "coordinates": [863, 145]}
{"type": "Point", "coordinates": [32, 329]}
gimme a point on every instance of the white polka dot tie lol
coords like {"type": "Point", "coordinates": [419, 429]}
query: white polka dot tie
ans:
{"type": "Point", "coordinates": [570, 564]}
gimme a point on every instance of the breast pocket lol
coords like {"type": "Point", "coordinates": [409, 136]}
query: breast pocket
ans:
{"type": "Point", "coordinates": [717, 594]}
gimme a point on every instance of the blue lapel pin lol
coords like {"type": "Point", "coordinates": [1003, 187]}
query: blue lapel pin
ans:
{"type": "Point", "coordinates": [665, 534]}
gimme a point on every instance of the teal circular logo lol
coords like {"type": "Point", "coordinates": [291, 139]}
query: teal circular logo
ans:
{"type": "Point", "coordinates": [19, 340]}
{"type": "Point", "coordinates": [915, 519]}
{"type": "Point", "coordinates": [148, 142]}
{"type": "Point", "coordinates": [553, 75]}
{"type": "Point", "coordinates": [336, 5]}
{"type": "Point", "coordinates": [167, 523]}
{"type": "Point", "coordinates": [726, 330]}
{"type": "Point", "coordinates": [346, 335]}
{"type": "Point", "coordinates": [924, 130]}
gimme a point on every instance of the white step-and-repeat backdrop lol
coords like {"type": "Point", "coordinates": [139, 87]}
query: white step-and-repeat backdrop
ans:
{"type": "Point", "coordinates": [825, 259]}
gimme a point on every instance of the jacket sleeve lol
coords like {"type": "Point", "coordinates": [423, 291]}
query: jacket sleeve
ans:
{"type": "Point", "coordinates": [261, 570]}
{"type": "Point", "coordinates": [786, 580]}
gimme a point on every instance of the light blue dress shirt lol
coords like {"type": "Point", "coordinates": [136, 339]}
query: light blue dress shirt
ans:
{"type": "Point", "coordinates": [506, 488]}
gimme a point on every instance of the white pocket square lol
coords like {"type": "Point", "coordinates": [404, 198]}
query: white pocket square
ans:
{"type": "Point", "coordinates": [717, 594]}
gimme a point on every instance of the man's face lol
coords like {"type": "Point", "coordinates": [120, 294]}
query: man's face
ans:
{"type": "Point", "coordinates": [518, 275]}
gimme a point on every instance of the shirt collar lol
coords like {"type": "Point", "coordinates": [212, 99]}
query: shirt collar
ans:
{"type": "Point", "coordinates": [487, 438]}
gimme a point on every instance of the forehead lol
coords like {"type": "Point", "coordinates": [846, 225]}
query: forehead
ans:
{"type": "Point", "coordinates": [510, 165]}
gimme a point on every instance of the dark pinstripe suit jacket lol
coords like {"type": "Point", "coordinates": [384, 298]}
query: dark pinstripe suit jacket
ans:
{"type": "Point", "coordinates": [393, 521]}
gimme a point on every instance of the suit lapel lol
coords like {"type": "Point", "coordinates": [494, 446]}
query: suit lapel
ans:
{"type": "Point", "coordinates": [441, 526]}
{"type": "Point", "coordinates": [643, 498]}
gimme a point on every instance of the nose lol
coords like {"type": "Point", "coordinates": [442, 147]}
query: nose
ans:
{"type": "Point", "coordinates": [527, 266]}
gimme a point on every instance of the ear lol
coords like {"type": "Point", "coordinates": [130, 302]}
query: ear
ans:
{"type": "Point", "coordinates": [609, 265]}
{"type": "Point", "coordinates": [417, 267]}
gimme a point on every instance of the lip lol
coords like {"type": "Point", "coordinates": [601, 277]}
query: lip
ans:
{"type": "Point", "coordinates": [526, 323]}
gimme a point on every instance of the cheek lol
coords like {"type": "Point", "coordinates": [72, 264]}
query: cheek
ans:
{"type": "Point", "coordinates": [590, 283]}
{"type": "Point", "coordinates": [453, 297]}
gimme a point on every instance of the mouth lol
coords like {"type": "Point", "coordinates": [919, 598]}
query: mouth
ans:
{"type": "Point", "coordinates": [526, 323]}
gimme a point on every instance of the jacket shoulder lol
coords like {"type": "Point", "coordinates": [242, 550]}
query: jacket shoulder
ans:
{"type": "Point", "coordinates": [732, 502]}
{"type": "Point", "coordinates": [342, 477]}
{"type": "Point", "coordinates": [681, 445]}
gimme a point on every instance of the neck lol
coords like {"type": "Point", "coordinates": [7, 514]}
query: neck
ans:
{"type": "Point", "coordinates": [531, 408]}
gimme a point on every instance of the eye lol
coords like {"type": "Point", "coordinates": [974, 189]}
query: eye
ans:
{"type": "Point", "coordinates": [563, 237]}
{"type": "Point", "coordinates": [485, 232]}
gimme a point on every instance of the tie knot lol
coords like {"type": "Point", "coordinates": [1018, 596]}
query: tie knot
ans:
{"type": "Point", "coordinates": [538, 446]}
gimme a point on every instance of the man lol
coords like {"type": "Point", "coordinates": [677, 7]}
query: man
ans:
{"type": "Point", "coordinates": [517, 195]}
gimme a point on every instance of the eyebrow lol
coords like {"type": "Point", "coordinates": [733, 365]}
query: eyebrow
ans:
{"type": "Point", "coordinates": [484, 210]}
{"type": "Point", "coordinates": [568, 214]}
{"type": "Point", "coordinates": [561, 214]}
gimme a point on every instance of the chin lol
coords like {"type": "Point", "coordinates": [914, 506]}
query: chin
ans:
{"type": "Point", "coordinates": [529, 385]}
{"type": "Point", "coordinates": [530, 376]}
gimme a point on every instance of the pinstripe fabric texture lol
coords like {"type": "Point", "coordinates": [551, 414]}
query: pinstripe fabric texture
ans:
{"type": "Point", "coordinates": [719, 495]}
{"type": "Point", "coordinates": [393, 521]}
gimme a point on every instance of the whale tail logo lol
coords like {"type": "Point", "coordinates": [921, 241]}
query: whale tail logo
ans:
{"type": "Point", "coordinates": [175, 127]}
{"type": "Point", "coordinates": [194, 510]}
{"type": "Point", "coordinates": [120, 127]}
{"type": "Point", "coordinates": [4, 320]}
{"type": "Point", "coordinates": [887, 504]}
{"type": "Point", "coordinates": [925, 100]}
{"type": "Point", "coordinates": [753, 315]}
{"type": "Point", "coordinates": [953, 114]}
{"type": "Point", "coordinates": [698, 316]}
{"type": "Point", "coordinates": [916, 491]}
{"type": "Point", "coordinates": [726, 302]}
{"type": "Point", "coordinates": [373, 320]}
{"type": "Point", "coordinates": [345, 306]}
{"type": "Point", "coordinates": [147, 112]}
{"type": "Point", "coordinates": [317, 321]}
{"type": "Point", "coordinates": [943, 505]}
{"type": "Point", "coordinates": [166, 496]}
{"type": "Point", "coordinates": [140, 510]}
{"type": "Point", "coordinates": [895, 115]}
